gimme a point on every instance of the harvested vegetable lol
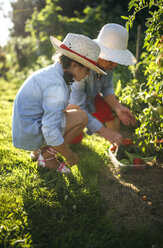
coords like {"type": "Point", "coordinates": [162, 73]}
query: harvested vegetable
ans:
{"type": "Point", "coordinates": [144, 197]}
{"type": "Point", "coordinates": [113, 148]}
{"type": "Point", "coordinates": [127, 142]}
{"type": "Point", "coordinates": [137, 164]}
{"type": "Point", "coordinates": [138, 161]}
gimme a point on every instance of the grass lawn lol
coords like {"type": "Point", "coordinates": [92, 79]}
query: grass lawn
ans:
{"type": "Point", "coordinates": [94, 207]}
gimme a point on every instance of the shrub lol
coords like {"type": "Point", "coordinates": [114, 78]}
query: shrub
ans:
{"type": "Point", "coordinates": [145, 97]}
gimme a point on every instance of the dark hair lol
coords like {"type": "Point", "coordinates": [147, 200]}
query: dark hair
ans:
{"type": "Point", "coordinates": [64, 60]}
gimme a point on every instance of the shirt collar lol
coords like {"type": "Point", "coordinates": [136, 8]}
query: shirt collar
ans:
{"type": "Point", "coordinates": [59, 68]}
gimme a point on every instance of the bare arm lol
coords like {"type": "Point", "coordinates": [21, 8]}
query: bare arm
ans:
{"type": "Point", "coordinates": [112, 101]}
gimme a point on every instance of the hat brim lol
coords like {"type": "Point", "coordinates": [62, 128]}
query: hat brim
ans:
{"type": "Point", "coordinates": [122, 57]}
{"type": "Point", "coordinates": [57, 43]}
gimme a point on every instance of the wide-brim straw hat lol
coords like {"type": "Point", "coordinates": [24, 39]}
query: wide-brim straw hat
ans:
{"type": "Point", "coordinates": [79, 48]}
{"type": "Point", "coordinates": [113, 41]}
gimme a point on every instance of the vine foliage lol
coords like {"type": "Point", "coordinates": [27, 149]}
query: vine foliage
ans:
{"type": "Point", "coordinates": [145, 95]}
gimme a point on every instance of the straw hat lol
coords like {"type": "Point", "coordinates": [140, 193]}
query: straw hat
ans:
{"type": "Point", "coordinates": [79, 48]}
{"type": "Point", "coordinates": [113, 41]}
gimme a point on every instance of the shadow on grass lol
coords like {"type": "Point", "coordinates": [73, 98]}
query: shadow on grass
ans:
{"type": "Point", "coordinates": [68, 211]}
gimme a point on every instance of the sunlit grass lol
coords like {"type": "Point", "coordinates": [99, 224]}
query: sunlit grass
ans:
{"type": "Point", "coordinates": [30, 192]}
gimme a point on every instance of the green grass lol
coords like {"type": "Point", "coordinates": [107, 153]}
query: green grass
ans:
{"type": "Point", "coordinates": [39, 208]}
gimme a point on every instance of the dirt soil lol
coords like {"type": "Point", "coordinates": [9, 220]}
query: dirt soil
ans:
{"type": "Point", "coordinates": [134, 197]}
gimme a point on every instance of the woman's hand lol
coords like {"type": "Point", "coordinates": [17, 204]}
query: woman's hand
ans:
{"type": "Point", "coordinates": [111, 135]}
{"type": "Point", "coordinates": [125, 115]}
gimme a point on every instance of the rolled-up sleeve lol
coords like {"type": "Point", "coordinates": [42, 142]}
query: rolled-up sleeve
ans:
{"type": "Point", "coordinates": [78, 96]}
{"type": "Point", "coordinates": [93, 124]}
{"type": "Point", "coordinates": [54, 103]}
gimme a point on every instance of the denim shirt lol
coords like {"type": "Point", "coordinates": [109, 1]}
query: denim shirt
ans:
{"type": "Point", "coordinates": [83, 93]}
{"type": "Point", "coordinates": [38, 109]}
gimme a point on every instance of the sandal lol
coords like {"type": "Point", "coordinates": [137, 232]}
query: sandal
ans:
{"type": "Point", "coordinates": [34, 155]}
{"type": "Point", "coordinates": [63, 168]}
{"type": "Point", "coordinates": [42, 162]}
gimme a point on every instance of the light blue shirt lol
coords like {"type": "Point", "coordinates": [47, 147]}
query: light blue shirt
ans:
{"type": "Point", "coordinates": [38, 109]}
{"type": "Point", "coordinates": [83, 93]}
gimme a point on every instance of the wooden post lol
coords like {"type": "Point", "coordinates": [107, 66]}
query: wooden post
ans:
{"type": "Point", "coordinates": [138, 47]}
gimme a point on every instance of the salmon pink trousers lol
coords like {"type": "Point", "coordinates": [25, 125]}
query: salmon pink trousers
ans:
{"type": "Point", "coordinates": [103, 114]}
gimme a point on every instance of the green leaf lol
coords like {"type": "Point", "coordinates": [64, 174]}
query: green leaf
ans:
{"type": "Point", "coordinates": [118, 88]}
{"type": "Point", "coordinates": [124, 17]}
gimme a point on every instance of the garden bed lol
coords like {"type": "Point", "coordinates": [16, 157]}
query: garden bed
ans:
{"type": "Point", "coordinates": [134, 198]}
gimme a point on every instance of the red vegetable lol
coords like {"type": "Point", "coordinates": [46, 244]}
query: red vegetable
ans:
{"type": "Point", "coordinates": [137, 162]}
{"type": "Point", "coordinates": [144, 197]}
{"type": "Point", "coordinates": [127, 142]}
{"type": "Point", "coordinates": [113, 148]}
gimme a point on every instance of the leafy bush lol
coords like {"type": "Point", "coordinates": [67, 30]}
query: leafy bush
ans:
{"type": "Point", "coordinates": [145, 97]}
